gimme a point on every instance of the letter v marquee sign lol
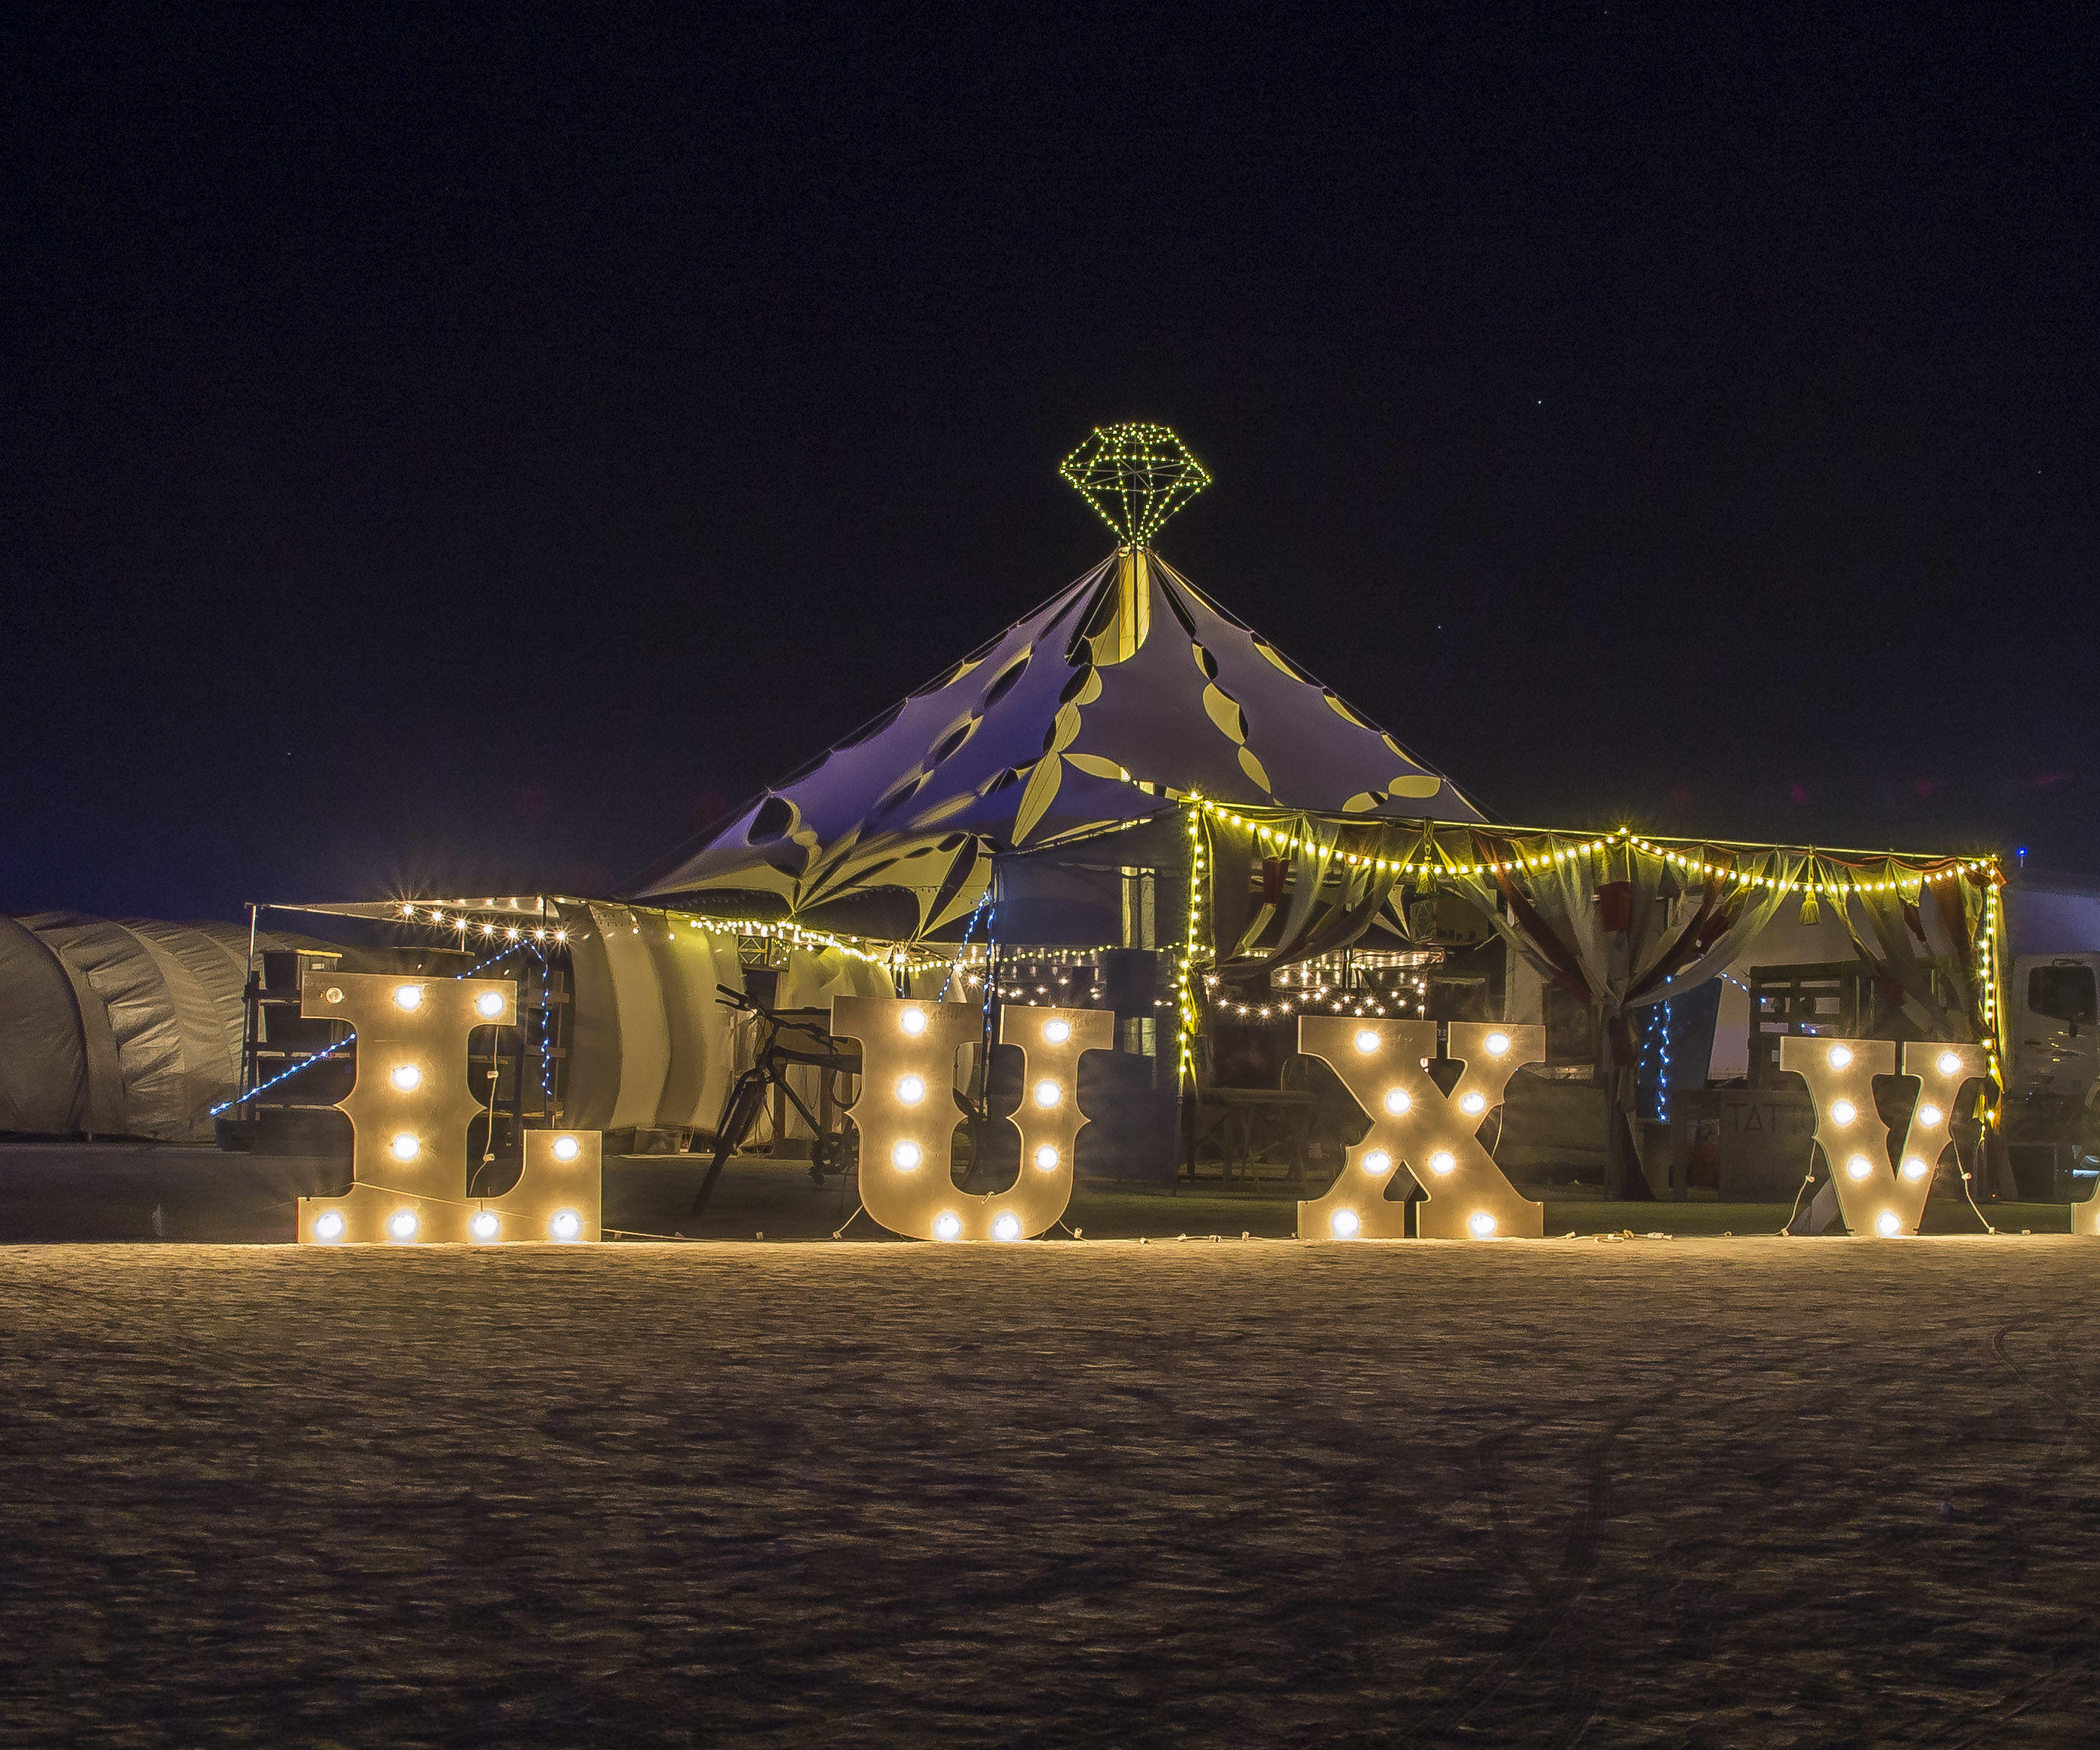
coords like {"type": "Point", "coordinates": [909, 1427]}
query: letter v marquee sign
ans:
{"type": "Point", "coordinates": [1876, 1198]}
{"type": "Point", "coordinates": [1415, 1124]}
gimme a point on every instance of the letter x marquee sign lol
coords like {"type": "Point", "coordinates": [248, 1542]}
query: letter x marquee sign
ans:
{"type": "Point", "coordinates": [1415, 1124]}
{"type": "Point", "coordinates": [410, 1110]}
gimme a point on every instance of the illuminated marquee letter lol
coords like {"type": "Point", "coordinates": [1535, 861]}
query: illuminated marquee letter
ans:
{"type": "Point", "coordinates": [1414, 1124]}
{"type": "Point", "coordinates": [410, 1110]}
{"type": "Point", "coordinates": [906, 1114]}
{"type": "Point", "coordinates": [1877, 1198]}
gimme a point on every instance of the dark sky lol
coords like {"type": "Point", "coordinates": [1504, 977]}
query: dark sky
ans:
{"type": "Point", "coordinates": [471, 448]}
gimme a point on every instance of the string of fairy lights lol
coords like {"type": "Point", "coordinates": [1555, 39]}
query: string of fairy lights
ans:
{"type": "Point", "coordinates": [1814, 874]}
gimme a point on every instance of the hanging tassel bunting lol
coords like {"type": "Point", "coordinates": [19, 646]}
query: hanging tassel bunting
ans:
{"type": "Point", "coordinates": [1425, 878]}
{"type": "Point", "coordinates": [1810, 912]}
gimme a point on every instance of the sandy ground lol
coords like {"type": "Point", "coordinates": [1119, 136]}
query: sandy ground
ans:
{"type": "Point", "coordinates": [1691, 1493]}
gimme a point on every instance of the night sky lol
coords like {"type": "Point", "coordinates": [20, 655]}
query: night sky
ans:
{"type": "Point", "coordinates": [455, 449]}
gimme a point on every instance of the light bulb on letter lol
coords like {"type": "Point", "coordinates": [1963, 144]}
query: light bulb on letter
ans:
{"type": "Point", "coordinates": [1046, 1157]}
{"type": "Point", "coordinates": [1378, 1160]}
{"type": "Point", "coordinates": [1949, 1063]}
{"type": "Point", "coordinates": [409, 996]}
{"type": "Point", "coordinates": [1914, 1169]}
{"type": "Point", "coordinates": [1057, 1032]}
{"type": "Point", "coordinates": [905, 1155]}
{"type": "Point", "coordinates": [566, 1148]}
{"type": "Point", "coordinates": [402, 1224]}
{"type": "Point", "coordinates": [1007, 1227]}
{"type": "Point", "coordinates": [1046, 1093]}
{"type": "Point", "coordinates": [1840, 1056]}
{"type": "Point", "coordinates": [1843, 1112]}
{"type": "Point", "coordinates": [912, 1090]}
{"type": "Point", "coordinates": [1930, 1114]}
{"type": "Point", "coordinates": [1497, 1044]}
{"type": "Point", "coordinates": [484, 1225]}
{"type": "Point", "coordinates": [1396, 1101]}
{"type": "Point", "coordinates": [489, 1004]}
{"type": "Point", "coordinates": [946, 1227]}
{"type": "Point", "coordinates": [1442, 1162]}
{"type": "Point", "coordinates": [1482, 1226]}
{"type": "Point", "coordinates": [1858, 1167]}
{"type": "Point", "coordinates": [406, 1147]}
{"type": "Point", "coordinates": [1889, 1225]}
{"type": "Point", "coordinates": [1345, 1224]}
{"type": "Point", "coordinates": [328, 1225]}
{"type": "Point", "coordinates": [407, 1077]}
{"type": "Point", "coordinates": [1473, 1104]}
{"type": "Point", "coordinates": [1367, 1041]}
{"type": "Point", "coordinates": [566, 1226]}
{"type": "Point", "coordinates": [913, 1022]}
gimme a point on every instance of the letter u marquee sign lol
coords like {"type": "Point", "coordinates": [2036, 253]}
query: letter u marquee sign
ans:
{"type": "Point", "coordinates": [1416, 1124]}
{"type": "Point", "coordinates": [410, 1110]}
{"type": "Point", "coordinates": [906, 1115]}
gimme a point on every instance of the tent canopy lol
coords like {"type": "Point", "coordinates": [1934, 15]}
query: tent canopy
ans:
{"type": "Point", "coordinates": [1127, 690]}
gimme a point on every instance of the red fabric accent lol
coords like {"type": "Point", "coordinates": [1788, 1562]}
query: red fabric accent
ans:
{"type": "Point", "coordinates": [1615, 905]}
{"type": "Point", "coordinates": [1272, 871]}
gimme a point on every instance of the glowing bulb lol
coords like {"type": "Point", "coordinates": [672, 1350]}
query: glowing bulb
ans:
{"type": "Point", "coordinates": [913, 1022]}
{"type": "Point", "coordinates": [409, 996]}
{"type": "Point", "coordinates": [1497, 1043]}
{"type": "Point", "coordinates": [1914, 1169]}
{"type": "Point", "coordinates": [483, 1225]}
{"type": "Point", "coordinates": [1473, 1104]}
{"type": "Point", "coordinates": [1397, 1100]}
{"type": "Point", "coordinates": [1345, 1224]}
{"type": "Point", "coordinates": [334, 993]}
{"type": "Point", "coordinates": [489, 1003]}
{"type": "Point", "coordinates": [1057, 1032]}
{"type": "Point", "coordinates": [407, 1075]}
{"type": "Point", "coordinates": [912, 1090]}
{"type": "Point", "coordinates": [566, 1148]}
{"type": "Point", "coordinates": [1930, 1114]}
{"type": "Point", "coordinates": [1840, 1056]}
{"type": "Point", "coordinates": [1007, 1227]}
{"type": "Point", "coordinates": [1367, 1041]}
{"type": "Point", "coordinates": [1843, 1112]}
{"type": "Point", "coordinates": [328, 1226]}
{"type": "Point", "coordinates": [402, 1224]}
{"type": "Point", "coordinates": [1378, 1160]}
{"type": "Point", "coordinates": [1888, 1224]}
{"type": "Point", "coordinates": [907, 1155]}
{"type": "Point", "coordinates": [1858, 1167]}
{"type": "Point", "coordinates": [1949, 1063]}
{"type": "Point", "coordinates": [946, 1227]}
{"type": "Point", "coordinates": [1046, 1093]}
{"type": "Point", "coordinates": [566, 1225]}
{"type": "Point", "coordinates": [1442, 1162]}
{"type": "Point", "coordinates": [406, 1147]}
{"type": "Point", "coordinates": [1482, 1226]}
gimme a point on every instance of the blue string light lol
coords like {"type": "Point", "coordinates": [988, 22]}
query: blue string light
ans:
{"type": "Point", "coordinates": [969, 930]}
{"type": "Point", "coordinates": [284, 1076]}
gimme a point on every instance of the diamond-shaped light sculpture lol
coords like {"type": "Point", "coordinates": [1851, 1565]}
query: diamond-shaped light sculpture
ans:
{"type": "Point", "coordinates": [1137, 477]}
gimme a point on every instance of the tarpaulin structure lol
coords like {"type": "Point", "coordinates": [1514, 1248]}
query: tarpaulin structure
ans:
{"type": "Point", "coordinates": [127, 1028]}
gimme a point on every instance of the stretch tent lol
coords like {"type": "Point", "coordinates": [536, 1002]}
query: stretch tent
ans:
{"type": "Point", "coordinates": [1127, 690]}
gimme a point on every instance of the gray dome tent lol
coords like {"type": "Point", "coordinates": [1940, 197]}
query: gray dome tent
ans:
{"type": "Point", "coordinates": [120, 1029]}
